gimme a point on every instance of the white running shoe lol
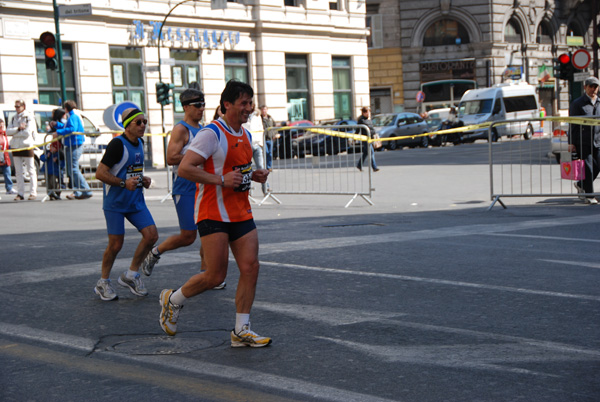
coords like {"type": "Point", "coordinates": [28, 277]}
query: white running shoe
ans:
{"type": "Point", "coordinates": [105, 290]}
{"type": "Point", "coordinates": [169, 313]}
{"type": "Point", "coordinates": [149, 263]}
{"type": "Point", "coordinates": [246, 337]}
{"type": "Point", "coordinates": [135, 285]}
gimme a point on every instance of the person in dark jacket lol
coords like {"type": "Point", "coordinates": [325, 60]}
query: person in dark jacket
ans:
{"type": "Point", "coordinates": [585, 139]}
{"type": "Point", "coordinates": [365, 120]}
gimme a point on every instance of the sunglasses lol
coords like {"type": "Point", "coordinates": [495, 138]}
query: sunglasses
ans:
{"type": "Point", "coordinates": [139, 122]}
{"type": "Point", "coordinates": [18, 106]}
{"type": "Point", "coordinates": [198, 105]}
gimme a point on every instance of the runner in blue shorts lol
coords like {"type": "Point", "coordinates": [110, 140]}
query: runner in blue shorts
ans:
{"type": "Point", "coordinates": [122, 172]}
{"type": "Point", "coordinates": [184, 191]}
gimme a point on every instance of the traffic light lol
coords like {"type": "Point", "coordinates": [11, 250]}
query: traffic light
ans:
{"type": "Point", "coordinates": [566, 69]}
{"type": "Point", "coordinates": [163, 93]}
{"type": "Point", "coordinates": [49, 42]}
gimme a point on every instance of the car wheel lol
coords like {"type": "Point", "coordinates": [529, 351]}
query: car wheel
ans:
{"type": "Point", "coordinates": [529, 132]}
{"type": "Point", "coordinates": [425, 141]}
{"type": "Point", "coordinates": [392, 145]}
{"type": "Point", "coordinates": [494, 135]}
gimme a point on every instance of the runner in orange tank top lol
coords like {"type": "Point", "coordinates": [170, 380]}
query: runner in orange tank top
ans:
{"type": "Point", "coordinates": [220, 161]}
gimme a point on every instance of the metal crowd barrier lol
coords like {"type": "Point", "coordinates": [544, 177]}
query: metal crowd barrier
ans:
{"type": "Point", "coordinates": [319, 160]}
{"type": "Point", "coordinates": [521, 168]}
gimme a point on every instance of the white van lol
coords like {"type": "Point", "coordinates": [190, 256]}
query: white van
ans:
{"type": "Point", "coordinates": [43, 114]}
{"type": "Point", "coordinates": [500, 102]}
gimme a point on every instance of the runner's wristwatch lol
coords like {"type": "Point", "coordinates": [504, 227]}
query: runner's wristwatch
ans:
{"type": "Point", "coordinates": [122, 184]}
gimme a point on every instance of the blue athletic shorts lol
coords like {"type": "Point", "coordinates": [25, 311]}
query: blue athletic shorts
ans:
{"type": "Point", "coordinates": [115, 221]}
{"type": "Point", "coordinates": [235, 230]}
{"type": "Point", "coordinates": [184, 205]}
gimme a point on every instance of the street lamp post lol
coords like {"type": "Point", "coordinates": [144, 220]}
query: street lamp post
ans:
{"type": "Point", "coordinates": [162, 107]}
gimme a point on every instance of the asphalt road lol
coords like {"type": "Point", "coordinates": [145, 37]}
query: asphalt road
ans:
{"type": "Point", "coordinates": [424, 296]}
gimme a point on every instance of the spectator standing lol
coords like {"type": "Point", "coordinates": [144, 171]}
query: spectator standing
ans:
{"type": "Point", "coordinates": [364, 119]}
{"type": "Point", "coordinates": [270, 135]}
{"type": "Point", "coordinates": [584, 139]}
{"type": "Point", "coordinates": [22, 128]}
{"type": "Point", "coordinates": [122, 172]}
{"type": "Point", "coordinates": [73, 149]}
{"type": "Point", "coordinates": [184, 191]}
{"type": "Point", "coordinates": [220, 159]}
{"type": "Point", "coordinates": [54, 165]}
{"type": "Point", "coordinates": [5, 160]}
{"type": "Point", "coordinates": [255, 126]}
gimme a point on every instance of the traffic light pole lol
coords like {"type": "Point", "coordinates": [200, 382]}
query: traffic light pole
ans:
{"type": "Point", "coordinates": [61, 67]}
{"type": "Point", "coordinates": [162, 107]}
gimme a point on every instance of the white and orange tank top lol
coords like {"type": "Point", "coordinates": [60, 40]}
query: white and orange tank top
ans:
{"type": "Point", "coordinates": [230, 151]}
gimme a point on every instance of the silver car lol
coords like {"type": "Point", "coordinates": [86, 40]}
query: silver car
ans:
{"type": "Point", "coordinates": [401, 125]}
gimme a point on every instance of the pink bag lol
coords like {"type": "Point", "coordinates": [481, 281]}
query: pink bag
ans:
{"type": "Point", "coordinates": [574, 170]}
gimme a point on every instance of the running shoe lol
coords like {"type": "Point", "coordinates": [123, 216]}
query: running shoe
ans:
{"type": "Point", "coordinates": [135, 285]}
{"type": "Point", "coordinates": [149, 263]}
{"type": "Point", "coordinates": [246, 337]}
{"type": "Point", "coordinates": [169, 313]}
{"type": "Point", "coordinates": [221, 286]}
{"type": "Point", "coordinates": [105, 290]}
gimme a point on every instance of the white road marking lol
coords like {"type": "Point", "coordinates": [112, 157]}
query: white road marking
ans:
{"type": "Point", "coordinates": [434, 281]}
{"type": "Point", "coordinates": [304, 388]}
{"type": "Point", "coordinates": [575, 263]}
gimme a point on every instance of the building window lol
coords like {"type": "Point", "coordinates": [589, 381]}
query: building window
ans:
{"type": "Point", "coordinates": [185, 74]}
{"type": "Point", "coordinates": [342, 88]}
{"type": "Point", "coordinates": [296, 71]}
{"type": "Point", "coordinates": [375, 25]}
{"type": "Point", "coordinates": [544, 34]}
{"type": "Point", "coordinates": [49, 91]}
{"type": "Point", "coordinates": [446, 32]}
{"type": "Point", "coordinates": [512, 32]}
{"type": "Point", "coordinates": [333, 5]}
{"type": "Point", "coordinates": [292, 3]}
{"type": "Point", "coordinates": [236, 66]}
{"type": "Point", "coordinates": [127, 75]}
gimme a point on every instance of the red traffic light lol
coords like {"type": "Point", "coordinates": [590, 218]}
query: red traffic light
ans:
{"type": "Point", "coordinates": [564, 59]}
{"type": "Point", "coordinates": [50, 52]}
{"type": "Point", "coordinates": [48, 39]}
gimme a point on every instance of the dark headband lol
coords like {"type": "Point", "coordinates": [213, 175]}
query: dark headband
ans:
{"type": "Point", "coordinates": [130, 116]}
{"type": "Point", "coordinates": [190, 101]}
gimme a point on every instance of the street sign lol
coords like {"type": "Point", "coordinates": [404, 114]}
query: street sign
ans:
{"type": "Point", "coordinates": [581, 59]}
{"type": "Point", "coordinates": [420, 96]}
{"type": "Point", "coordinates": [113, 115]}
{"type": "Point", "coordinates": [580, 77]}
{"type": "Point", "coordinates": [74, 10]}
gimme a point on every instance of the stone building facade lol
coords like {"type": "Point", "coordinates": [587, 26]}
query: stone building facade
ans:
{"type": "Point", "coordinates": [305, 59]}
{"type": "Point", "coordinates": [473, 42]}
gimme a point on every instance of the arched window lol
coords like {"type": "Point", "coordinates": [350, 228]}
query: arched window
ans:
{"type": "Point", "coordinates": [512, 32]}
{"type": "Point", "coordinates": [446, 32]}
{"type": "Point", "coordinates": [544, 33]}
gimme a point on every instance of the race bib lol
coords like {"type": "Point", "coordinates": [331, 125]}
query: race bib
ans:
{"type": "Point", "coordinates": [246, 171]}
{"type": "Point", "coordinates": [135, 171]}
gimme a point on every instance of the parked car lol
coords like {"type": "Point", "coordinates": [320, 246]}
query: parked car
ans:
{"type": "Point", "coordinates": [399, 125]}
{"type": "Point", "coordinates": [286, 146]}
{"type": "Point", "coordinates": [323, 144]}
{"type": "Point", "coordinates": [435, 117]}
{"type": "Point", "coordinates": [43, 115]}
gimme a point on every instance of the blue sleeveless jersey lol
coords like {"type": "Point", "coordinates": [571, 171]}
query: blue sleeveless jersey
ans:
{"type": "Point", "coordinates": [183, 186]}
{"type": "Point", "coordinates": [119, 199]}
